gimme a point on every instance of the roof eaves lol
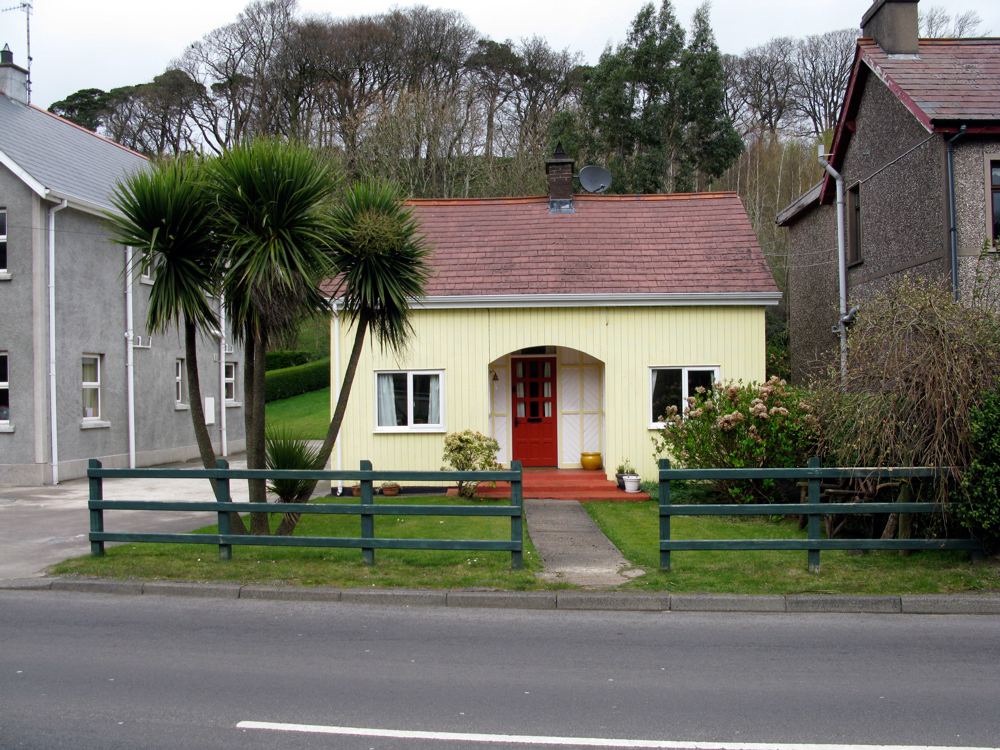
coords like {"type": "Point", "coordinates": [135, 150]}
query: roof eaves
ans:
{"type": "Point", "coordinates": [36, 187]}
{"type": "Point", "coordinates": [682, 299]}
{"type": "Point", "coordinates": [797, 207]}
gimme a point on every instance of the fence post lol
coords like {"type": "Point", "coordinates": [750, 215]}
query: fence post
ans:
{"type": "Point", "coordinates": [222, 495]}
{"type": "Point", "coordinates": [96, 514]}
{"type": "Point", "coordinates": [517, 521]}
{"type": "Point", "coordinates": [814, 519]}
{"type": "Point", "coordinates": [664, 517]}
{"type": "Point", "coordinates": [367, 519]}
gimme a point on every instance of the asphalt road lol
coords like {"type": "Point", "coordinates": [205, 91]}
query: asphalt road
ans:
{"type": "Point", "coordinates": [101, 671]}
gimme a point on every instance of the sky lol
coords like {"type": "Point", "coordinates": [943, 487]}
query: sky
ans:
{"type": "Point", "coordinates": [77, 44]}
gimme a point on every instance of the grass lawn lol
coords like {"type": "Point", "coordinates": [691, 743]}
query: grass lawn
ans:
{"type": "Point", "coordinates": [332, 566]}
{"type": "Point", "coordinates": [306, 416]}
{"type": "Point", "coordinates": [634, 529]}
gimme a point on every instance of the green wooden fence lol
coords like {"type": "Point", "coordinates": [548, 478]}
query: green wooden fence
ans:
{"type": "Point", "coordinates": [814, 509]}
{"type": "Point", "coordinates": [368, 542]}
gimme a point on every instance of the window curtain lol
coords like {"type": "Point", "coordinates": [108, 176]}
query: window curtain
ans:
{"type": "Point", "coordinates": [386, 401]}
{"type": "Point", "coordinates": [434, 412]}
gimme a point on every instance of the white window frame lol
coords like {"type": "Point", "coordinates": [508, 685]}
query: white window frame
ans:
{"type": "Point", "coordinates": [180, 385]}
{"type": "Point", "coordinates": [409, 426]}
{"type": "Point", "coordinates": [5, 386]}
{"type": "Point", "coordinates": [4, 267]}
{"type": "Point", "coordinates": [684, 370]}
{"type": "Point", "coordinates": [145, 276]}
{"type": "Point", "coordinates": [92, 385]}
{"type": "Point", "coordinates": [229, 382]}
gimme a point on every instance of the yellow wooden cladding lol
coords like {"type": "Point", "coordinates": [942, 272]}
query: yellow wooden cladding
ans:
{"type": "Point", "coordinates": [619, 345]}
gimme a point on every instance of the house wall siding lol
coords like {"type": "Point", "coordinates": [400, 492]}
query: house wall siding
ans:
{"type": "Point", "coordinates": [813, 296]}
{"type": "Point", "coordinates": [627, 340]}
{"type": "Point", "coordinates": [900, 166]}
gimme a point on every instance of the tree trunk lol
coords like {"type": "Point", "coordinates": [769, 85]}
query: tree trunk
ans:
{"type": "Point", "coordinates": [201, 436]}
{"type": "Point", "coordinates": [254, 427]}
{"type": "Point", "coordinates": [288, 523]}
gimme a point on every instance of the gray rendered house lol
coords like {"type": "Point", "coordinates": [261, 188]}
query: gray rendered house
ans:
{"type": "Point", "coordinates": [80, 377]}
{"type": "Point", "coordinates": [913, 107]}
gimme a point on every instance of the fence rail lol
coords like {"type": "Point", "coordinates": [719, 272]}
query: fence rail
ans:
{"type": "Point", "coordinates": [814, 474]}
{"type": "Point", "coordinates": [366, 509]}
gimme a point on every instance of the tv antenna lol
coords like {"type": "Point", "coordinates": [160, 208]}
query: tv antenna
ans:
{"type": "Point", "coordinates": [595, 179]}
{"type": "Point", "coordinates": [26, 6]}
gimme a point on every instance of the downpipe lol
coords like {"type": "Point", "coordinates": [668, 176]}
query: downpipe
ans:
{"type": "Point", "coordinates": [841, 326]}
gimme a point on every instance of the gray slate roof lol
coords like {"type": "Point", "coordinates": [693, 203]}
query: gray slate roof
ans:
{"type": "Point", "coordinates": [71, 162]}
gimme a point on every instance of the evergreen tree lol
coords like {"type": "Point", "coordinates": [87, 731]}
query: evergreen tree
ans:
{"type": "Point", "coordinates": [654, 108]}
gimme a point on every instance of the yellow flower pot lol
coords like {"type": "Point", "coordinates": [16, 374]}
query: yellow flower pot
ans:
{"type": "Point", "coordinates": [591, 461]}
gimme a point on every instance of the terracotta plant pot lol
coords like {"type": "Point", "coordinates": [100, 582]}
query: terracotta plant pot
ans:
{"type": "Point", "coordinates": [390, 491]}
{"type": "Point", "coordinates": [590, 461]}
{"type": "Point", "coordinates": [356, 491]}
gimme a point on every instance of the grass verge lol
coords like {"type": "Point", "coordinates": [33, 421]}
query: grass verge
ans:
{"type": "Point", "coordinates": [306, 416]}
{"type": "Point", "coordinates": [634, 529]}
{"type": "Point", "coordinates": [311, 566]}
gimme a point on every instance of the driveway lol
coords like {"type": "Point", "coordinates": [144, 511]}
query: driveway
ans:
{"type": "Point", "coordinates": [40, 526]}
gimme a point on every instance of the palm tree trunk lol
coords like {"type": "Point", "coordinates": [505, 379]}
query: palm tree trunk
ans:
{"type": "Point", "coordinates": [290, 520]}
{"type": "Point", "coordinates": [201, 436]}
{"type": "Point", "coordinates": [256, 459]}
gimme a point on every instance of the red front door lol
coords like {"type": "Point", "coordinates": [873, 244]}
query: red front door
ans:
{"type": "Point", "coordinates": [534, 400]}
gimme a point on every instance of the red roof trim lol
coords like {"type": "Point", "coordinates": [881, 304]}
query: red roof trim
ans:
{"type": "Point", "coordinates": [896, 89]}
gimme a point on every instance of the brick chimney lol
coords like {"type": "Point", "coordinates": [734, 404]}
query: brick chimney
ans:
{"type": "Point", "coordinates": [893, 26]}
{"type": "Point", "coordinates": [559, 170]}
{"type": "Point", "coordinates": [13, 78]}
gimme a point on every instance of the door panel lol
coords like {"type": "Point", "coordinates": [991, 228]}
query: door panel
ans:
{"type": "Point", "coordinates": [533, 398]}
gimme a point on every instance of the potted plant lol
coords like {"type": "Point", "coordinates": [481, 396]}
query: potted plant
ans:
{"type": "Point", "coordinates": [390, 488]}
{"type": "Point", "coordinates": [356, 490]}
{"type": "Point", "coordinates": [622, 470]}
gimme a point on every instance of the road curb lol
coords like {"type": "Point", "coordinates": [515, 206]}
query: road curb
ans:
{"type": "Point", "coordinates": [614, 601]}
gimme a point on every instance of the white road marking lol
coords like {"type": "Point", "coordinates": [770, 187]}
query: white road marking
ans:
{"type": "Point", "coordinates": [517, 739]}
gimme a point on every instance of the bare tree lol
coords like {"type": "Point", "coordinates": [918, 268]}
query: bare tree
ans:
{"type": "Point", "coordinates": [822, 70]}
{"type": "Point", "coordinates": [936, 23]}
{"type": "Point", "coordinates": [763, 83]}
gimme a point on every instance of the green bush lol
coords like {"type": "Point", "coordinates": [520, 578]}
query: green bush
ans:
{"type": "Point", "coordinates": [737, 426]}
{"type": "Point", "coordinates": [470, 451]}
{"type": "Point", "coordinates": [292, 381]}
{"type": "Point", "coordinates": [282, 359]}
{"type": "Point", "coordinates": [981, 482]}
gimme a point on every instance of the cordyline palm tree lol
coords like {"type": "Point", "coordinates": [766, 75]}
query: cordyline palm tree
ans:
{"type": "Point", "coordinates": [162, 216]}
{"type": "Point", "coordinates": [272, 214]}
{"type": "Point", "coordinates": [379, 265]}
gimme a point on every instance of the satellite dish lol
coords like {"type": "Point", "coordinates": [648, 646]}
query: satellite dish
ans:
{"type": "Point", "coordinates": [595, 179]}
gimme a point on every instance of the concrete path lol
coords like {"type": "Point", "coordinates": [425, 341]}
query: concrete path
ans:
{"type": "Point", "coordinates": [572, 547]}
{"type": "Point", "coordinates": [40, 526]}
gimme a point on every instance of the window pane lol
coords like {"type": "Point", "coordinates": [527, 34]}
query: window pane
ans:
{"type": "Point", "coordinates": [520, 390]}
{"type": "Point", "coordinates": [3, 253]}
{"type": "Point", "coordinates": [425, 399]}
{"type": "Point", "coordinates": [3, 368]}
{"type": "Point", "coordinates": [391, 399]}
{"type": "Point", "coordinates": [520, 410]}
{"type": "Point", "coordinates": [666, 392]}
{"type": "Point", "coordinates": [699, 379]}
{"type": "Point", "coordinates": [3, 216]}
{"type": "Point", "coordinates": [533, 368]}
{"type": "Point", "coordinates": [90, 403]}
{"type": "Point", "coordinates": [547, 408]}
{"type": "Point", "coordinates": [533, 406]}
{"type": "Point", "coordinates": [547, 389]}
{"type": "Point", "coordinates": [996, 216]}
{"type": "Point", "coordinates": [547, 370]}
{"type": "Point", "coordinates": [520, 369]}
{"type": "Point", "coordinates": [533, 389]}
{"type": "Point", "coordinates": [994, 171]}
{"type": "Point", "coordinates": [89, 369]}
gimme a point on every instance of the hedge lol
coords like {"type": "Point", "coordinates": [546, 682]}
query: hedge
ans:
{"type": "Point", "coordinates": [279, 360]}
{"type": "Point", "coordinates": [292, 381]}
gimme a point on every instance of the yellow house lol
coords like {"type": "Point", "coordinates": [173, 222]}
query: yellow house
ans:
{"type": "Point", "coordinates": [560, 325]}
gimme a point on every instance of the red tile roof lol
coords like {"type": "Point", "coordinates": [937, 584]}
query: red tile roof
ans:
{"type": "Point", "coordinates": [950, 80]}
{"type": "Point", "coordinates": [613, 244]}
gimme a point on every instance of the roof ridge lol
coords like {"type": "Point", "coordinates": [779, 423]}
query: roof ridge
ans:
{"type": "Point", "coordinates": [580, 196]}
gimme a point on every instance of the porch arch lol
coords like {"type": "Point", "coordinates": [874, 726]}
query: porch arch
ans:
{"type": "Point", "coordinates": [579, 397]}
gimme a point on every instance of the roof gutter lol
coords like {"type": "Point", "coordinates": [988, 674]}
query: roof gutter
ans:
{"type": "Point", "coordinates": [952, 221]}
{"type": "Point", "coordinates": [469, 301]}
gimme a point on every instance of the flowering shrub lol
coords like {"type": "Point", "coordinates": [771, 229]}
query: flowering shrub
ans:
{"type": "Point", "coordinates": [736, 426]}
{"type": "Point", "coordinates": [470, 451]}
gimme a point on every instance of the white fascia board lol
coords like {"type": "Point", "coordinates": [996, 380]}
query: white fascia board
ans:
{"type": "Point", "coordinates": [36, 187]}
{"type": "Point", "coordinates": [598, 300]}
{"type": "Point", "coordinates": [81, 204]}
